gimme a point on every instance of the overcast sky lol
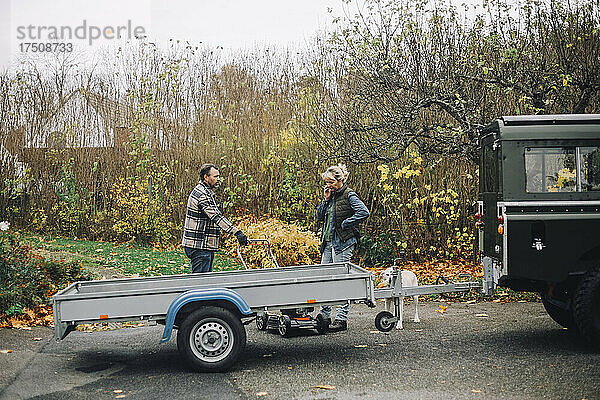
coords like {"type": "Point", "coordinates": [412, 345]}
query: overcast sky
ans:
{"type": "Point", "coordinates": [233, 24]}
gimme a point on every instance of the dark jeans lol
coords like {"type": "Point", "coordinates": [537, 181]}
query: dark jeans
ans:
{"type": "Point", "coordinates": [202, 260]}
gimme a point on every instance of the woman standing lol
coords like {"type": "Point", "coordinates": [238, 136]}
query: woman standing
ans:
{"type": "Point", "coordinates": [341, 211]}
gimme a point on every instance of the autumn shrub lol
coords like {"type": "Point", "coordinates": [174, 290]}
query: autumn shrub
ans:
{"type": "Point", "coordinates": [27, 279]}
{"type": "Point", "coordinates": [290, 243]}
{"type": "Point", "coordinates": [379, 250]}
{"type": "Point", "coordinates": [429, 202]}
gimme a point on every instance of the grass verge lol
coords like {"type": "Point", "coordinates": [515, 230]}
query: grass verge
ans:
{"type": "Point", "coordinates": [105, 259]}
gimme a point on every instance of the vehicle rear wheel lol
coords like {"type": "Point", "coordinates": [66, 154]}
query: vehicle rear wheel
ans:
{"type": "Point", "coordinates": [558, 307]}
{"type": "Point", "coordinates": [211, 339]}
{"type": "Point", "coordinates": [587, 307]}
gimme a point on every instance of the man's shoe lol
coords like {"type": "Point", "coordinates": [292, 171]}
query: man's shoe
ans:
{"type": "Point", "coordinates": [338, 326]}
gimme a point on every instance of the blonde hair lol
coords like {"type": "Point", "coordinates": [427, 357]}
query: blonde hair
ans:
{"type": "Point", "coordinates": [337, 172]}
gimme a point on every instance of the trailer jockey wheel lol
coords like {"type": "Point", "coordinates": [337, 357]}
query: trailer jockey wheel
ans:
{"type": "Point", "coordinates": [211, 339]}
{"type": "Point", "coordinates": [587, 307]}
{"type": "Point", "coordinates": [261, 321]}
{"type": "Point", "coordinates": [383, 321]}
{"type": "Point", "coordinates": [285, 325]}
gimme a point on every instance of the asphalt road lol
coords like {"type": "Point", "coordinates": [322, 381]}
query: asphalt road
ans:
{"type": "Point", "coordinates": [472, 351]}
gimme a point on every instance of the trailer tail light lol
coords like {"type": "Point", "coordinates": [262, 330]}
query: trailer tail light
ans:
{"type": "Point", "coordinates": [500, 220]}
{"type": "Point", "coordinates": [477, 216]}
{"type": "Point", "coordinates": [501, 229]}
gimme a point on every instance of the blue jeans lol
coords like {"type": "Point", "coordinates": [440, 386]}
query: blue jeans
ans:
{"type": "Point", "coordinates": [201, 260]}
{"type": "Point", "coordinates": [329, 256]}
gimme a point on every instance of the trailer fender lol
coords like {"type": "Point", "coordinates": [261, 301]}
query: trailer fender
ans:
{"type": "Point", "coordinates": [202, 295]}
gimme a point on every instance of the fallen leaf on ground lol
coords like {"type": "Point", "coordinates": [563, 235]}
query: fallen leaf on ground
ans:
{"type": "Point", "coordinates": [121, 396]}
{"type": "Point", "coordinates": [37, 339]}
{"type": "Point", "coordinates": [381, 344]}
{"type": "Point", "coordinates": [482, 315]}
{"type": "Point", "coordinates": [442, 309]}
{"type": "Point", "coordinates": [326, 387]}
{"type": "Point", "coordinates": [260, 394]}
{"type": "Point", "coordinates": [5, 351]}
{"type": "Point", "coordinates": [360, 346]}
{"type": "Point", "coordinates": [475, 391]}
{"type": "Point", "coordinates": [117, 391]}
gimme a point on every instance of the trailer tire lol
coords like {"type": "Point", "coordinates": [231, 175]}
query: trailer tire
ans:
{"type": "Point", "coordinates": [262, 320]}
{"type": "Point", "coordinates": [211, 339]}
{"type": "Point", "coordinates": [382, 321]}
{"type": "Point", "coordinates": [587, 307]}
{"type": "Point", "coordinates": [559, 311]}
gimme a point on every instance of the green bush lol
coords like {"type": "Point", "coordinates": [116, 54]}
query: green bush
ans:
{"type": "Point", "coordinates": [377, 251]}
{"type": "Point", "coordinates": [27, 279]}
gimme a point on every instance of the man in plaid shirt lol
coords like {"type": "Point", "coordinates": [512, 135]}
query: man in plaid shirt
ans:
{"type": "Point", "coordinates": [204, 221]}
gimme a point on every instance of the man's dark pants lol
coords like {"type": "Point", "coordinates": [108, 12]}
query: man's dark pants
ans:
{"type": "Point", "coordinates": [202, 260]}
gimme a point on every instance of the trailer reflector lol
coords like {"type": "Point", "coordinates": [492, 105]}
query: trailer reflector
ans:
{"type": "Point", "coordinates": [311, 301]}
{"type": "Point", "coordinates": [103, 316]}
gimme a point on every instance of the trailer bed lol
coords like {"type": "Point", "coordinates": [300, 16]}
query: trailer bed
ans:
{"type": "Point", "coordinates": [262, 289]}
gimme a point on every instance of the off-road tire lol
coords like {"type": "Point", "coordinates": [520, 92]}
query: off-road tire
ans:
{"type": "Point", "coordinates": [587, 307]}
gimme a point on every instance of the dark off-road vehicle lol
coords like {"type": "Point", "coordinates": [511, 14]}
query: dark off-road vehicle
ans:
{"type": "Point", "coordinates": [539, 213]}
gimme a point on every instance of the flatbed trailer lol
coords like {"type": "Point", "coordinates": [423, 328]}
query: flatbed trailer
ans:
{"type": "Point", "coordinates": [208, 308]}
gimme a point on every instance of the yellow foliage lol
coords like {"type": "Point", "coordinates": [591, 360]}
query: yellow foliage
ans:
{"type": "Point", "coordinates": [290, 244]}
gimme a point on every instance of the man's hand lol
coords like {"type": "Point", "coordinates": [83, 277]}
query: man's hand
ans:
{"type": "Point", "coordinates": [242, 238]}
{"type": "Point", "coordinates": [326, 192]}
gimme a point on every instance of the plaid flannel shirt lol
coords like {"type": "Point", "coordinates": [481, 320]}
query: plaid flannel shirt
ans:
{"type": "Point", "coordinates": [204, 220]}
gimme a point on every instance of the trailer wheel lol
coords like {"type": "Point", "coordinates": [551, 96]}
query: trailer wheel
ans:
{"type": "Point", "coordinates": [559, 310]}
{"type": "Point", "coordinates": [382, 321]}
{"type": "Point", "coordinates": [322, 323]}
{"type": "Point", "coordinates": [587, 307]}
{"type": "Point", "coordinates": [285, 325]}
{"type": "Point", "coordinates": [211, 339]}
{"type": "Point", "coordinates": [261, 321]}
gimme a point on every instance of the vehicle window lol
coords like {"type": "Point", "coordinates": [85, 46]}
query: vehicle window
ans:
{"type": "Point", "coordinates": [550, 170]}
{"type": "Point", "coordinates": [590, 168]}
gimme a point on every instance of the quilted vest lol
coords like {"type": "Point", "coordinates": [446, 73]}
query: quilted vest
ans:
{"type": "Point", "coordinates": [342, 210]}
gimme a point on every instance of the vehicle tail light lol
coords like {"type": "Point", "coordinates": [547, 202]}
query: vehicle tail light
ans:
{"type": "Point", "coordinates": [500, 220]}
{"type": "Point", "coordinates": [501, 229]}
